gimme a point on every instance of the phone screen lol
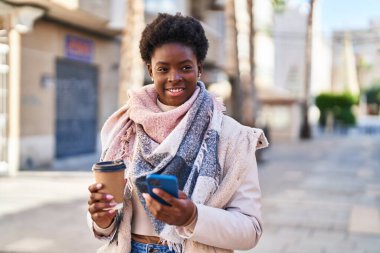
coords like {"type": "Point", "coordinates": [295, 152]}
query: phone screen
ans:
{"type": "Point", "coordinates": [167, 183]}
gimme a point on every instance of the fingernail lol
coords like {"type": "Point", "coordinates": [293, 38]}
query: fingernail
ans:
{"type": "Point", "coordinates": [98, 186]}
{"type": "Point", "coordinates": [113, 203]}
{"type": "Point", "coordinates": [145, 195]}
{"type": "Point", "coordinates": [109, 196]}
{"type": "Point", "coordinates": [156, 191]}
{"type": "Point", "coordinates": [111, 211]}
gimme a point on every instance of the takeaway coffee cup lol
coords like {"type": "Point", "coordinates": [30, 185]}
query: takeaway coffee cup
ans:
{"type": "Point", "coordinates": [111, 175]}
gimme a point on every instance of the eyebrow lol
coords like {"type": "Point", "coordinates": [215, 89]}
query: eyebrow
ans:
{"type": "Point", "coordinates": [182, 62]}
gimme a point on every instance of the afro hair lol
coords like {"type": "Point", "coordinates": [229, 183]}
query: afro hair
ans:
{"type": "Point", "coordinates": [166, 28]}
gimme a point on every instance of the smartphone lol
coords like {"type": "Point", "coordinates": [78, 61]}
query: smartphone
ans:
{"type": "Point", "coordinates": [167, 183]}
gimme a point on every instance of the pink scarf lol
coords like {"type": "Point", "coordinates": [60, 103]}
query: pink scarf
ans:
{"type": "Point", "coordinates": [119, 130]}
{"type": "Point", "coordinates": [181, 142]}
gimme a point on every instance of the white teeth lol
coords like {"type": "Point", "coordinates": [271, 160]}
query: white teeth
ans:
{"type": "Point", "coordinates": [176, 90]}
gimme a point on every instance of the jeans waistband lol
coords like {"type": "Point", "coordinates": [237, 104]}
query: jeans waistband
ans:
{"type": "Point", "coordinates": [148, 239]}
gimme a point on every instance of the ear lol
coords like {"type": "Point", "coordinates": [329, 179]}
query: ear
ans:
{"type": "Point", "coordinates": [200, 68]}
{"type": "Point", "coordinates": [149, 68]}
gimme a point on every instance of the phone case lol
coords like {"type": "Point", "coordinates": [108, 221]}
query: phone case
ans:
{"type": "Point", "coordinates": [168, 183]}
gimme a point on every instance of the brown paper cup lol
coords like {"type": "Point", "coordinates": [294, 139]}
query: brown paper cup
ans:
{"type": "Point", "coordinates": [111, 175]}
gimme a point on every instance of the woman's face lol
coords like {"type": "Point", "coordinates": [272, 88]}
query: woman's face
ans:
{"type": "Point", "coordinates": [175, 70]}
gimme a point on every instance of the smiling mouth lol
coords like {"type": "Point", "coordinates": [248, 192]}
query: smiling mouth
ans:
{"type": "Point", "coordinates": [175, 90]}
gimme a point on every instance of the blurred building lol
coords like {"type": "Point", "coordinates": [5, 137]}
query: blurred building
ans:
{"type": "Point", "coordinates": [322, 58]}
{"type": "Point", "coordinates": [344, 76]}
{"type": "Point", "coordinates": [361, 48]}
{"type": "Point", "coordinates": [289, 33]}
{"type": "Point", "coordinates": [289, 38]}
{"type": "Point", "coordinates": [278, 109]}
{"type": "Point", "coordinates": [61, 78]}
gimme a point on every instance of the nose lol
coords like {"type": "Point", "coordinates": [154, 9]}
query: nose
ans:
{"type": "Point", "coordinates": [174, 76]}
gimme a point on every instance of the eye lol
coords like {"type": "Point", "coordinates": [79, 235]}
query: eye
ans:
{"type": "Point", "coordinates": [187, 68]}
{"type": "Point", "coordinates": [161, 69]}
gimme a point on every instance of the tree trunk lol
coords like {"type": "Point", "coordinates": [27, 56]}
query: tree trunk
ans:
{"type": "Point", "coordinates": [245, 46]}
{"type": "Point", "coordinates": [232, 66]}
{"type": "Point", "coordinates": [305, 132]}
{"type": "Point", "coordinates": [131, 69]}
{"type": "Point", "coordinates": [253, 96]}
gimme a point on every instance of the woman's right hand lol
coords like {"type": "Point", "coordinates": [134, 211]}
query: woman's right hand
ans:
{"type": "Point", "coordinates": [100, 206]}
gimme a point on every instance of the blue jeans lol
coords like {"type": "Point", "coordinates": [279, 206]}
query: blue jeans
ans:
{"type": "Point", "coordinates": [138, 247]}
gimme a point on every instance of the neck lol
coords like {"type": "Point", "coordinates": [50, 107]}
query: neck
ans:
{"type": "Point", "coordinates": [165, 108]}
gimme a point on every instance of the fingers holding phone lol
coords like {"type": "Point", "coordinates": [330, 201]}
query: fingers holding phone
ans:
{"type": "Point", "coordinates": [167, 183]}
{"type": "Point", "coordinates": [166, 202]}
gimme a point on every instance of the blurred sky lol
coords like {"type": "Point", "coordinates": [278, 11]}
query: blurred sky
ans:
{"type": "Point", "coordinates": [343, 14]}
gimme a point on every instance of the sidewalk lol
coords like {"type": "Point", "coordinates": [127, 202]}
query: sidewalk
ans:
{"type": "Point", "coordinates": [320, 196]}
{"type": "Point", "coordinates": [45, 212]}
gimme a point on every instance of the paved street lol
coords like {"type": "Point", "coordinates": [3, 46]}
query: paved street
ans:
{"type": "Point", "coordinates": [45, 212]}
{"type": "Point", "coordinates": [321, 196]}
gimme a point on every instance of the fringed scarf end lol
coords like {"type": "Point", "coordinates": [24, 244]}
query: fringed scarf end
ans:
{"type": "Point", "coordinates": [118, 220]}
{"type": "Point", "coordinates": [177, 247]}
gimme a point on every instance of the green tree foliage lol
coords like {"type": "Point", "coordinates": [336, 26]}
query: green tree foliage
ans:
{"type": "Point", "coordinates": [372, 95]}
{"type": "Point", "coordinates": [339, 105]}
{"type": "Point", "coordinates": [279, 5]}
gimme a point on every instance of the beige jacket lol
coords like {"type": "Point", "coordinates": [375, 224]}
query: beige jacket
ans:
{"type": "Point", "coordinates": [231, 220]}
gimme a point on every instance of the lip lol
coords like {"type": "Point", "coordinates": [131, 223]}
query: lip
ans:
{"type": "Point", "coordinates": [175, 91]}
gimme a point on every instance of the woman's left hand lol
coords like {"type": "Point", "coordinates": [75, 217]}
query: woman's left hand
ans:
{"type": "Point", "coordinates": [178, 214]}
